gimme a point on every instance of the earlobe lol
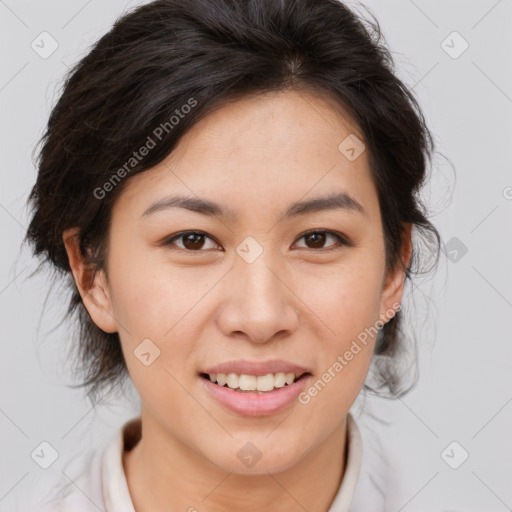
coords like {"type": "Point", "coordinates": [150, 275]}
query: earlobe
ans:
{"type": "Point", "coordinates": [92, 286]}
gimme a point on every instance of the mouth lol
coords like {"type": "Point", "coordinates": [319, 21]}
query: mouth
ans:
{"type": "Point", "coordinates": [254, 388]}
{"type": "Point", "coordinates": [256, 384]}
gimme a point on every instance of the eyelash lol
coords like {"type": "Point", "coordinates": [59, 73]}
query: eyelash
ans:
{"type": "Point", "coordinates": [342, 240]}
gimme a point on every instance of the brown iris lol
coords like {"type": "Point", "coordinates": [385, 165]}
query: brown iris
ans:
{"type": "Point", "coordinates": [193, 241]}
{"type": "Point", "coordinates": [318, 239]}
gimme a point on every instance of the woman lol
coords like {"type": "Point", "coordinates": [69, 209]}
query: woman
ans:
{"type": "Point", "coordinates": [233, 189]}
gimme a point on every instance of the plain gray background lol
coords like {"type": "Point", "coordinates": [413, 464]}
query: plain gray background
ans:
{"type": "Point", "coordinates": [461, 317]}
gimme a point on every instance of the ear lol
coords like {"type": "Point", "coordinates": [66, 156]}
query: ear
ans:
{"type": "Point", "coordinates": [393, 286]}
{"type": "Point", "coordinates": [93, 288]}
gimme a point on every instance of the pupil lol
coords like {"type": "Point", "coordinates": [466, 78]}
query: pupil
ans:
{"type": "Point", "coordinates": [318, 239]}
{"type": "Point", "coordinates": [194, 238]}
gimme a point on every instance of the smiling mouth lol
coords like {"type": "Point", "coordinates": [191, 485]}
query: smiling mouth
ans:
{"type": "Point", "coordinates": [254, 384]}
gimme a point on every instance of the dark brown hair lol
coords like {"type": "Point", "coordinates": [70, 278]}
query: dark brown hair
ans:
{"type": "Point", "coordinates": [202, 53]}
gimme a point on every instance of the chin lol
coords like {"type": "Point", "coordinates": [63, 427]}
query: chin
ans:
{"type": "Point", "coordinates": [257, 457]}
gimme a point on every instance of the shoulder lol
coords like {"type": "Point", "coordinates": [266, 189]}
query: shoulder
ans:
{"type": "Point", "coordinates": [99, 482]}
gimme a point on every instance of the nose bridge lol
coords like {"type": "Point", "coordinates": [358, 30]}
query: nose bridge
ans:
{"type": "Point", "coordinates": [253, 263]}
{"type": "Point", "coordinates": [259, 282]}
{"type": "Point", "coordinates": [261, 304]}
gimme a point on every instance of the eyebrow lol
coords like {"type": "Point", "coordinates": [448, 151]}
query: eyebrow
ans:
{"type": "Point", "coordinates": [341, 200]}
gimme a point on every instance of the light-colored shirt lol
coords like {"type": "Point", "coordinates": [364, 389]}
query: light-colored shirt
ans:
{"type": "Point", "coordinates": [101, 485]}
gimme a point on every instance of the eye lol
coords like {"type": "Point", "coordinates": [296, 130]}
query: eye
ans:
{"type": "Point", "coordinates": [192, 241]}
{"type": "Point", "coordinates": [316, 239]}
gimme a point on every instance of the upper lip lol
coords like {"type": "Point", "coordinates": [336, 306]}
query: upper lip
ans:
{"type": "Point", "coordinates": [256, 368]}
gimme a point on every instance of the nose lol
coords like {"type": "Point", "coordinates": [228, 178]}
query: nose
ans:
{"type": "Point", "coordinates": [260, 306]}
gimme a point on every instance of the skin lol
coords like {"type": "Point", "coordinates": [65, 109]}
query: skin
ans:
{"type": "Point", "coordinates": [300, 300]}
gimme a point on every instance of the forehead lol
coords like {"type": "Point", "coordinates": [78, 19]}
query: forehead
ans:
{"type": "Point", "coordinates": [260, 152]}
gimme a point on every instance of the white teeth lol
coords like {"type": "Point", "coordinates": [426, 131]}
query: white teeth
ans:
{"type": "Point", "coordinates": [289, 378]}
{"type": "Point", "coordinates": [265, 382]}
{"type": "Point", "coordinates": [252, 383]}
{"type": "Point", "coordinates": [247, 382]}
{"type": "Point", "coordinates": [232, 380]}
{"type": "Point", "coordinates": [279, 380]}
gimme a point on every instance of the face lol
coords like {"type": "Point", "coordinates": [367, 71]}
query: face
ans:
{"type": "Point", "coordinates": [256, 285]}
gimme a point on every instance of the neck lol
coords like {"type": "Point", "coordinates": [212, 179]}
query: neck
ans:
{"type": "Point", "coordinates": [163, 474]}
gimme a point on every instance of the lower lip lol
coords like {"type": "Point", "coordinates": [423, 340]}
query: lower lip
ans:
{"type": "Point", "coordinates": [256, 404]}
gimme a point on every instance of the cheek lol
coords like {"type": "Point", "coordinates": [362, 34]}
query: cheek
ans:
{"type": "Point", "coordinates": [155, 302]}
{"type": "Point", "coordinates": [348, 305]}
{"type": "Point", "coordinates": [348, 301]}
{"type": "Point", "coordinates": [349, 310]}
{"type": "Point", "coordinates": [150, 296]}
